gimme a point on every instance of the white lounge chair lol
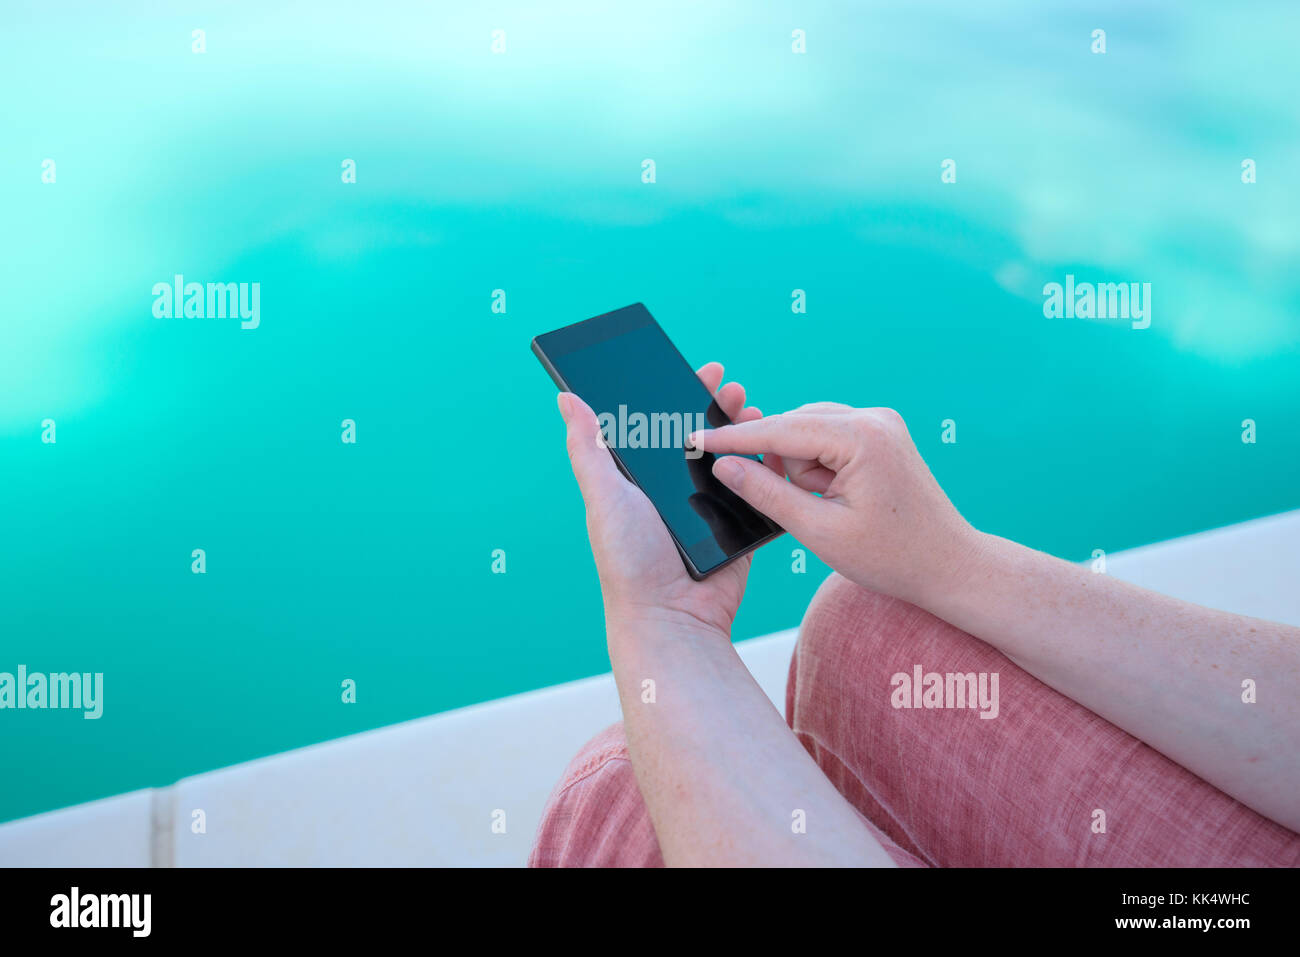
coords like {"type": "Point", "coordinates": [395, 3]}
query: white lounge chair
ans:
{"type": "Point", "coordinates": [424, 792]}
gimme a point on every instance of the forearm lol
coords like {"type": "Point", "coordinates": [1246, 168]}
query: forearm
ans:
{"type": "Point", "coordinates": [721, 774]}
{"type": "Point", "coordinates": [1167, 671]}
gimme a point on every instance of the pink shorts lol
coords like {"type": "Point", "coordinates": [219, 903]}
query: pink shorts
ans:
{"type": "Point", "coordinates": [1046, 783]}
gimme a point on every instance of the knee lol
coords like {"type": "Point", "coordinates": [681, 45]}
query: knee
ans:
{"type": "Point", "coordinates": [848, 626]}
{"type": "Point", "coordinates": [844, 635]}
{"type": "Point", "coordinates": [853, 641]}
{"type": "Point", "coordinates": [606, 751]}
{"type": "Point", "coordinates": [596, 817]}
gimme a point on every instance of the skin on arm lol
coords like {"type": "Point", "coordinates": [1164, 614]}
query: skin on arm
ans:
{"type": "Point", "coordinates": [1166, 671]}
{"type": "Point", "coordinates": [721, 774]}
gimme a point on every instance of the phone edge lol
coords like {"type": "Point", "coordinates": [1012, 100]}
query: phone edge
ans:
{"type": "Point", "coordinates": [691, 568]}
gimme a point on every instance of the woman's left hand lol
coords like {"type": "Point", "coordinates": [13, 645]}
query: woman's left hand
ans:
{"type": "Point", "coordinates": [642, 577]}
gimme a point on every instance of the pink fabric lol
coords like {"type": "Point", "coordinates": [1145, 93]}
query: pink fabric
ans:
{"type": "Point", "coordinates": [595, 817]}
{"type": "Point", "coordinates": [942, 787]}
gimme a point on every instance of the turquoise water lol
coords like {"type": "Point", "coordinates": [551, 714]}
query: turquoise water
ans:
{"type": "Point", "coordinates": [521, 171]}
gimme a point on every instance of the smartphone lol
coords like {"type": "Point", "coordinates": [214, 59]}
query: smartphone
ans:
{"type": "Point", "coordinates": [648, 400]}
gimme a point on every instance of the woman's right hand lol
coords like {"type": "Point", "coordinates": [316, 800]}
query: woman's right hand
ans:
{"type": "Point", "coordinates": [1150, 664]}
{"type": "Point", "coordinates": [860, 495]}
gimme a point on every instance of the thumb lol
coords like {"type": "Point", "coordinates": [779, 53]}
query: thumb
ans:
{"type": "Point", "coordinates": [788, 505]}
{"type": "Point", "coordinates": [598, 477]}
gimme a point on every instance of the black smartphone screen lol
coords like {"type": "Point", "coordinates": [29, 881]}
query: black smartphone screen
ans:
{"type": "Point", "coordinates": [648, 400]}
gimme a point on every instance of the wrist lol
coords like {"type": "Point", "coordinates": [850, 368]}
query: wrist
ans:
{"type": "Point", "coordinates": [658, 643]}
{"type": "Point", "coordinates": [630, 622]}
{"type": "Point", "coordinates": [956, 567]}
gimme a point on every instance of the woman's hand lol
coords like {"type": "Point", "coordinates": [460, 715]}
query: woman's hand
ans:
{"type": "Point", "coordinates": [881, 519]}
{"type": "Point", "coordinates": [1166, 671]}
{"type": "Point", "coordinates": [642, 576]}
{"type": "Point", "coordinates": [715, 762]}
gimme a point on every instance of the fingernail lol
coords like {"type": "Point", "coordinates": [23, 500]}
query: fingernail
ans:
{"type": "Point", "coordinates": [728, 470]}
{"type": "Point", "coordinates": [562, 400]}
